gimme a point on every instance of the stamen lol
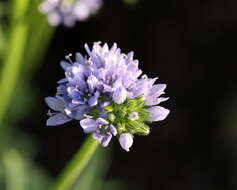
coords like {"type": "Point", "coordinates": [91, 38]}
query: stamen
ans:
{"type": "Point", "coordinates": [144, 77]}
{"type": "Point", "coordinates": [68, 57]}
{"type": "Point", "coordinates": [87, 116]}
{"type": "Point", "coordinates": [89, 62]}
{"type": "Point", "coordinates": [49, 113]}
{"type": "Point", "coordinates": [67, 111]}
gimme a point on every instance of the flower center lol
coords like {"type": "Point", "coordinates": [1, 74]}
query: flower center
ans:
{"type": "Point", "coordinates": [129, 117]}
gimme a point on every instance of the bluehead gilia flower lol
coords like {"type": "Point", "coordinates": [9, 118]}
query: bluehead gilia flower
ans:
{"type": "Point", "coordinates": [107, 93]}
{"type": "Point", "coordinates": [68, 12]}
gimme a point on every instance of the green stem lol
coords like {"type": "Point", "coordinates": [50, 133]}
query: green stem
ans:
{"type": "Point", "coordinates": [76, 166]}
{"type": "Point", "coordinates": [14, 55]}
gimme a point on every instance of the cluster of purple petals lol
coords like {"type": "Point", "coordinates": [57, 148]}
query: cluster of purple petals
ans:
{"type": "Point", "coordinates": [101, 128]}
{"type": "Point", "coordinates": [68, 12]}
{"type": "Point", "coordinates": [91, 83]}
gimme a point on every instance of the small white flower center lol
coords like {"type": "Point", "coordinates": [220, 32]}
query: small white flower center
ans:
{"type": "Point", "coordinates": [133, 116]}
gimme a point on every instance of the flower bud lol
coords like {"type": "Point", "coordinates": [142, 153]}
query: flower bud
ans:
{"type": "Point", "coordinates": [126, 141]}
{"type": "Point", "coordinates": [137, 127]}
{"type": "Point", "coordinates": [111, 117]}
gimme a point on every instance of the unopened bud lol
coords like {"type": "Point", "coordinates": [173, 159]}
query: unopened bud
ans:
{"type": "Point", "coordinates": [111, 117]}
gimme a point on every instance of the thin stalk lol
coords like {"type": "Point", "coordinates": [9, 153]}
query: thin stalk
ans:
{"type": "Point", "coordinates": [38, 40]}
{"type": "Point", "coordinates": [77, 164]}
{"type": "Point", "coordinates": [14, 55]}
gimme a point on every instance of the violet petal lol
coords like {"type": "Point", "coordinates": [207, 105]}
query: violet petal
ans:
{"type": "Point", "coordinates": [126, 141]}
{"type": "Point", "coordinates": [157, 113]}
{"type": "Point", "coordinates": [57, 119]}
{"type": "Point", "coordinates": [120, 95]}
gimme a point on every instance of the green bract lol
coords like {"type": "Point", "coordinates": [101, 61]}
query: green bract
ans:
{"type": "Point", "coordinates": [119, 116]}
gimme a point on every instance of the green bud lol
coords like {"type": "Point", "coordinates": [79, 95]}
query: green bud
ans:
{"type": "Point", "coordinates": [109, 108]}
{"type": "Point", "coordinates": [111, 117]}
{"type": "Point", "coordinates": [137, 127]}
{"type": "Point", "coordinates": [143, 130]}
{"type": "Point", "coordinates": [142, 98]}
{"type": "Point", "coordinates": [121, 128]}
{"type": "Point", "coordinates": [122, 113]}
{"type": "Point", "coordinates": [131, 104]}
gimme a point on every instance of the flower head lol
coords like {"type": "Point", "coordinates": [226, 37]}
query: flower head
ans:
{"type": "Point", "coordinates": [106, 93]}
{"type": "Point", "coordinates": [67, 12]}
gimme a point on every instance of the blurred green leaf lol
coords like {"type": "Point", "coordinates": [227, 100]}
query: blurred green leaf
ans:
{"type": "Point", "coordinates": [15, 55]}
{"type": "Point", "coordinates": [15, 172]}
{"type": "Point", "coordinates": [22, 102]}
{"type": "Point", "coordinates": [20, 173]}
{"type": "Point", "coordinates": [2, 41]}
{"type": "Point", "coordinates": [114, 184]}
{"type": "Point", "coordinates": [39, 180]}
{"type": "Point", "coordinates": [4, 9]}
{"type": "Point", "coordinates": [40, 33]}
{"type": "Point", "coordinates": [19, 10]}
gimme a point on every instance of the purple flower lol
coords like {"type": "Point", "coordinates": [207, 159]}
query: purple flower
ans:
{"type": "Point", "coordinates": [157, 113]}
{"type": "Point", "coordinates": [102, 130]}
{"type": "Point", "coordinates": [126, 141]}
{"type": "Point", "coordinates": [68, 12]}
{"type": "Point", "coordinates": [106, 93]}
{"type": "Point", "coordinates": [60, 116]}
{"type": "Point", "coordinates": [133, 116]}
{"type": "Point", "coordinates": [119, 95]}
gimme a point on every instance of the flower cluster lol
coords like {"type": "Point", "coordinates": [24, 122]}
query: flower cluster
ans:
{"type": "Point", "coordinates": [107, 93]}
{"type": "Point", "coordinates": [67, 12]}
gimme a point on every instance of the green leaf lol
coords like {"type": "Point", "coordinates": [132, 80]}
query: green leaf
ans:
{"type": "Point", "coordinates": [40, 34]}
{"type": "Point", "coordinates": [2, 41]}
{"type": "Point", "coordinates": [14, 167]}
{"type": "Point", "coordinates": [15, 54]}
{"type": "Point", "coordinates": [18, 172]}
{"type": "Point", "coordinates": [4, 9]}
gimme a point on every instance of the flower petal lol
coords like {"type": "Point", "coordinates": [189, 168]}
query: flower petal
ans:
{"type": "Point", "coordinates": [120, 95]}
{"type": "Point", "coordinates": [54, 103]}
{"type": "Point", "coordinates": [157, 113]}
{"type": "Point", "coordinates": [126, 141]}
{"type": "Point", "coordinates": [79, 58]}
{"type": "Point", "coordinates": [162, 99]}
{"type": "Point", "coordinates": [102, 121]}
{"type": "Point", "coordinates": [65, 65]}
{"type": "Point", "coordinates": [92, 83]}
{"type": "Point", "coordinates": [88, 125]}
{"type": "Point", "coordinates": [98, 136]}
{"type": "Point", "coordinates": [57, 119]}
{"type": "Point", "coordinates": [157, 90]}
{"type": "Point", "coordinates": [106, 140]}
{"type": "Point", "coordinates": [104, 104]}
{"type": "Point", "coordinates": [113, 130]}
{"type": "Point", "coordinates": [93, 101]}
{"type": "Point", "coordinates": [80, 111]}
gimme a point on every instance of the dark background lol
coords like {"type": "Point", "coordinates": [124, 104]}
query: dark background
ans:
{"type": "Point", "coordinates": [190, 46]}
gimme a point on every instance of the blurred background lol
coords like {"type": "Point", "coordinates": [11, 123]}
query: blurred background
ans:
{"type": "Point", "coordinates": [190, 46]}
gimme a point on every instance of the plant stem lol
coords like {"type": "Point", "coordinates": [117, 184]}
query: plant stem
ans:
{"type": "Point", "coordinates": [14, 55]}
{"type": "Point", "coordinates": [76, 166]}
